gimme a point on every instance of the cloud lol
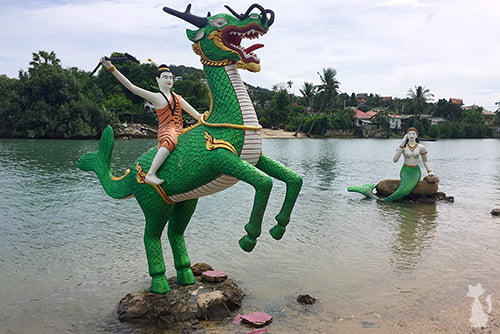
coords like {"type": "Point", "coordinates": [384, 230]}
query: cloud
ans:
{"type": "Point", "coordinates": [385, 47]}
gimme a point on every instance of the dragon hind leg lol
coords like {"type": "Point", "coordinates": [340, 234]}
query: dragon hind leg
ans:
{"type": "Point", "coordinates": [178, 222]}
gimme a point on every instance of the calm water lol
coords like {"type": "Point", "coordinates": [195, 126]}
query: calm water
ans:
{"type": "Point", "coordinates": [69, 252]}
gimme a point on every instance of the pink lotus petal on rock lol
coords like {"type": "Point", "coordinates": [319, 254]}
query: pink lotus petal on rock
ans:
{"type": "Point", "coordinates": [237, 320]}
{"type": "Point", "coordinates": [258, 331]}
{"type": "Point", "coordinates": [257, 319]}
{"type": "Point", "coordinates": [213, 276]}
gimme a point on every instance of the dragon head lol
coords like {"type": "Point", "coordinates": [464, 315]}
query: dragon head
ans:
{"type": "Point", "coordinates": [218, 38]}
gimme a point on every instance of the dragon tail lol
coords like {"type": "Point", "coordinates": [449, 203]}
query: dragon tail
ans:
{"type": "Point", "coordinates": [99, 162]}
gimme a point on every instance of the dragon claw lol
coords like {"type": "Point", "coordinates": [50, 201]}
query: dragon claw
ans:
{"type": "Point", "coordinates": [185, 276]}
{"type": "Point", "coordinates": [247, 243]}
{"type": "Point", "coordinates": [159, 285]}
{"type": "Point", "coordinates": [277, 232]}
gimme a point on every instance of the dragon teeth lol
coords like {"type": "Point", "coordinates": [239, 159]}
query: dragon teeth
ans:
{"type": "Point", "coordinates": [248, 34]}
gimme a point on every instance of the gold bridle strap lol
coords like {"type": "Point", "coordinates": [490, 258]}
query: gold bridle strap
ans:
{"type": "Point", "coordinates": [231, 126]}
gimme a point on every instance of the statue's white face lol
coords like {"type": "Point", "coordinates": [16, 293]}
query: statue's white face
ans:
{"type": "Point", "coordinates": [412, 135]}
{"type": "Point", "coordinates": [166, 80]}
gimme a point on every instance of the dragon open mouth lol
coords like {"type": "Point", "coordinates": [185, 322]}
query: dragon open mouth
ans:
{"type": "Point", "coordinates": [233, 35]}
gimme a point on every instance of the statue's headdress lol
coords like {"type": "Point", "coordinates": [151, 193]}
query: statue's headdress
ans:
{"type": "Point", "coordinates": [412, 129]}
{"type": "Point", "coordinates": [162, 68]}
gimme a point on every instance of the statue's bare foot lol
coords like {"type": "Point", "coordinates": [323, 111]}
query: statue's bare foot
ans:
{"type": "Point", "coordinates": [153, 179]}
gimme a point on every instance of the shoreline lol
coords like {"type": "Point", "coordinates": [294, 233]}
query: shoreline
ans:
{"type": "Point", "coordinates": [133, 130]}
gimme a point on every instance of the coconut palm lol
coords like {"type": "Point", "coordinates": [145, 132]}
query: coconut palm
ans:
{"type": "Point", "coordinates": [419, 97]}
{"type": "Point", "coordinates": [308, 90]}
{"type": "Point", "coordinates": [44, 57]}
{"type": "Point", "coordinates": [328, 89]}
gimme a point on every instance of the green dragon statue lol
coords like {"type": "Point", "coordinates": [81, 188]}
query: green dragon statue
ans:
{"type": "Point", "coordinates": [214, 154]}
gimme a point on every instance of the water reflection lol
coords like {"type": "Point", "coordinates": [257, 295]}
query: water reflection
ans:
{"type": "Point", "coordinates": [414, 227]}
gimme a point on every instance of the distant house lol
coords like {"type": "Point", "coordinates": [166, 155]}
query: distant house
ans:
{"type": "Point", "coordinates": [361, 118]}
{"type": "Point", "coordinates": [459, 102]}
{"type": "Point", "coordinates": [489, 116]}
{"type": "Point", "coordinates": [434, 120]}
{"type": "Point", "coordinates": [395, 121]}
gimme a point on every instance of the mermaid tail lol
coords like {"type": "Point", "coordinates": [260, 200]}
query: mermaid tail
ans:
{"type": "Point", "coordinates": [409, 179]}
{"type": "Point", "coordinates": [365, 189]}
{"type": "Point", "coordinates": [410, 176]}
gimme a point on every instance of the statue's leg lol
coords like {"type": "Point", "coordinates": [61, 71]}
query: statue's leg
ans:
{"type": "Point", "coordinates": [293, 184]}
{"type": "Point", "coordinates": [177, 224]}
{"type": "Point", "coordinates": [228, 163]}
{"type": "Point", "coordinates": [155, 223]}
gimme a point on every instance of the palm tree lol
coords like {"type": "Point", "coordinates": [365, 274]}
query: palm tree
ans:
{"type": "Point", "coordinates": [44, 57]}
{"type": "Point", "coordinates": [420, 96]}
{"type": "Point", "coordinates": [308, 90]}
{"type": "Point", "coordinates": [328, 89]}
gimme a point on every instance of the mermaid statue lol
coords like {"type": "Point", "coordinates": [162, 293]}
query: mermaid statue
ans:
{"type": "Point", "coordinates": [410, 173]}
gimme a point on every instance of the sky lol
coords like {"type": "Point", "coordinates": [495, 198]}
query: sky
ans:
{"type": "Point", "coordinates": [384, 47]}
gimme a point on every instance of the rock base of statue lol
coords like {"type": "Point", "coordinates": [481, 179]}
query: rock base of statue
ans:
{"type": "Point", "coordinates": [184, 306]}
{"type": "Point", "coordinates": [425, 191]}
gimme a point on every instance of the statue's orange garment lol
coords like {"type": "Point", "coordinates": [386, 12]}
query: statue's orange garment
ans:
{"type": "Point", "coordinates": [170, 123]}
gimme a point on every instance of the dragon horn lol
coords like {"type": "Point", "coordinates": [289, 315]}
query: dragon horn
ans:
{"type": "Point", "coordinates": [198, 21]}
{"type": "Point", "coordinates": [264, 12]}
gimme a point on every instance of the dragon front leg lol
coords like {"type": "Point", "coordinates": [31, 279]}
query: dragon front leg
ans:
{"type": "Point", "coordinates": [293, 185]}
{"type": "Point", "coordinates": [228, 163]}
{"type": "Point", "coordinates": [177, 224]}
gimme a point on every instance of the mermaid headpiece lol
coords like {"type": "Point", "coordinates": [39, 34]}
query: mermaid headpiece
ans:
{"type": "Point", "coordinates": [412, 129]}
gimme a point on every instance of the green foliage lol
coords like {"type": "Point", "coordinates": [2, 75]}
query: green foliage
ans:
{"type": "Point", "coordinates": [51, 102]}
{"type": "Point", "coordinates": [419, 98]}
{"type": "Point", "coordinates": [277, 113]}
{"type": "Point", "coordinates": [448, 110]}
{"type": "Point", "coordinates": [194, 91]}
{"type": "Point", "coordinates": [433, 131]}
{"type": "Point", "coordinates": [48, 101]}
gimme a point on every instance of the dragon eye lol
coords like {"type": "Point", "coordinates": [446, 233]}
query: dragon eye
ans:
{"type": "Point", "coordinates": [218, 22]}
{"type": "Point", "coordinates": [254, 16]}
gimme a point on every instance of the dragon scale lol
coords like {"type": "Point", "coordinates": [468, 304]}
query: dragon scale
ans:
{"type": "Point", "coordinates": [230, 80]}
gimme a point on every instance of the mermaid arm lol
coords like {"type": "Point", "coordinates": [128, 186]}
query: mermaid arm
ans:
{"type": "Point", "coordinates": [423, 154]}
{"type": "Point", "coordinates": [400, 149]}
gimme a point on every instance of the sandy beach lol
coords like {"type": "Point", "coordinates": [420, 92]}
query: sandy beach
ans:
{"type": "Point", "coordinates": [280, 134]}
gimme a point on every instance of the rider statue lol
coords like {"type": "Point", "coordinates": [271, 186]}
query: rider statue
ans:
{"type": "Point", "coordinates": [168, 107]}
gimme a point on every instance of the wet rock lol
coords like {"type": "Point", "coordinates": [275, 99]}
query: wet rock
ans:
{"type": "Point", "coordinates": [368, 324]}
{"type": "Point", "coordinates": [426, 191]}
{"type": "Point", "coordinates": [132, 130]}
{"type": "Point", "coordinates": [199, 268]}
{"type": "Point", "coordinates": [495, 212]}
{"type": "Point", "coordinates": [183, 307]}
{"type": "Point", "coordinates": [427, 187]}
{"type": "Point", "coordinates": [212, 306]}
{"type": "Point", "coordinates": [306, 299]}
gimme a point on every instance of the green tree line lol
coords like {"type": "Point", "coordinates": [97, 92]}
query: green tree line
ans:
{"type": "Point", "coordinates": [48, 101]}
